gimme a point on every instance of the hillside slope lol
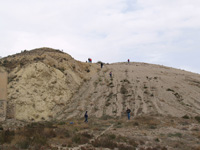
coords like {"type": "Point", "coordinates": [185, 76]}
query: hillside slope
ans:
{"type": "Point", "coordinates": [47, 84]}
{"type": "Point", "coordinates": [144, 88]}
{"type": "Point", "coordinates": [41, 82]}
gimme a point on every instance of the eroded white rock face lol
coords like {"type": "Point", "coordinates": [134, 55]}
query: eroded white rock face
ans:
{"type": "Point", "coordinates": [38, 90]}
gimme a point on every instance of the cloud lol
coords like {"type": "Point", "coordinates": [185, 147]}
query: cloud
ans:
{"type": "Point", "coordinates": [111, 31]}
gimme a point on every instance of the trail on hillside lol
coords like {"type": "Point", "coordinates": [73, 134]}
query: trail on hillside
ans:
{"type": "Point", "coordinates": [93, 139]}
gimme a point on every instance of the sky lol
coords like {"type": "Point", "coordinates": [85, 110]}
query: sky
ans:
{"type": "Point", "coordinates": [165, 32]}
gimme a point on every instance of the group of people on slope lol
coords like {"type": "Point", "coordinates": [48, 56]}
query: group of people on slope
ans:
{"type": "Point", "coordinates": [111, 71]}
{"type": "Point", "coordinates": [128, 111]}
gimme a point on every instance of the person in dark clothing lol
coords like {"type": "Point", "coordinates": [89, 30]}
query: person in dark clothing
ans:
{"type": "Point", "coordinates": [110, 74]}
{"type": "Point", "coordinates": [128, 61]}
{"type": "Point", "coordinates": [89, 60]}
{"type": "Point", "coordinates": [86, 117]}
{"type": "Point", "coordinates": [128, 111]}
{"type": "Point", "coordinates": [101, 65]}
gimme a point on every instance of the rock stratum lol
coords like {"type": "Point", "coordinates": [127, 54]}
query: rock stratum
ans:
{"type": "Point", "coordinates": [48, 84]}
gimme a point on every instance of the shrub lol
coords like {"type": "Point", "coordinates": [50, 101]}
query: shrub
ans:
{"type": "Point", "coordinates": [197, 118]}
{"type": "Point", "coordinates": [6, 136]}
{"type": "Point", "coordinates": [145, 87]}
{"type": "Point", "coordinates": [104, 142]}
{"type": "Point", "coordinates": [40, 139]}
{"type": "Point", "coordinates": [170, 90]}
{"type": "Point", "coordinates": [186, 117]}
{"type": "Point", "coordinates": [80, 139]}
{"type": "Point", "coordinates": [67, 134]}
{"type": "Point", "coordinates": [24, 144]}
{"type": "Point", "coordinates": [87, 135]}
{"type": "Point", "coordinates": [123, 90]}
{"type": "Point", "coordinates": [11, 78]}
{"type": "Point", "coordinates": [62, 69]}
{"type": "Point", "coordinates": [125, 147]}
{"type": "Point", "coordinates": [112, 136]}
{"type": "Point", "coordinates": [152, 127]}
{"type": "Point", "coordinates": [61, 123]}
{"type": "Point", "coordinates": [135, 124]}
{"type": "Point", "coordinates": [106, 117]}
{"type": "Point", "coordinates": [175, 135]}
{"type": "Point", "coordinates": [133, 143]}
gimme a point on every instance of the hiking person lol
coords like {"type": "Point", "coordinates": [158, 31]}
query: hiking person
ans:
{"type": "Point", "coordinates": [86, 117]}
{"type": "Point", "coordinates": [128, 61]}
{"type": "Point", "coordinates": [110, 74]}
{"type": "Point", "coordinates": [128, 111]}
{"type": "Point", "coordinates": [89, 60]}
{"type": "Point", "coordinates": [101, 65]}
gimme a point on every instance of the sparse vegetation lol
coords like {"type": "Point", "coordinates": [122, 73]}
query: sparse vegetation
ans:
{"type": "Point", "coordinates": [105, 142]}
{"type": "Point", "coordinates": [175, 135]}
{"type": "Point", "coordinates": [62, 69]}
{"type": "Point", "coordinates": [170, 90]}
{"type": "Point", "coordinates": [186, 117]}
{"type": "Point", "coordinates": [145, 87]}
{"type": "Point", "coordinates": [197, 118]}
{"type": "Point", "coordinates": [123, 90]}
{"type": "Point", "coordinates": [11, 78]}
{"type": "Point", "coordinates": [6, 136]}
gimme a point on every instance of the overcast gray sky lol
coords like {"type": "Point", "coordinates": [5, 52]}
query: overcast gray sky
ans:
{"type": "Point", "coordinates": [165, 32]}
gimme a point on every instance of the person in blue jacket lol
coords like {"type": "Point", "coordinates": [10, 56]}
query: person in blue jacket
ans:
{"type": "Point", "coordinates": [128, 111]}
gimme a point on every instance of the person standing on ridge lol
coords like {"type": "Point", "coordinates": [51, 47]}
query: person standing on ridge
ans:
{"type": "Point", "coordinates": [86, 117]}
{"type": "Point", "coordinates": [101, 65]}
{"type": "Point", "coordinates": [89, 60]}
{"type": "Point", "coordinates": [128, 61]}
{"type": "Point", "coordinates": [128, 111]}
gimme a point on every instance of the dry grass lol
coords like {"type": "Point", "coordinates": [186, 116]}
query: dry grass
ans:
{"type": "Point", "coordinates": [121, 136]}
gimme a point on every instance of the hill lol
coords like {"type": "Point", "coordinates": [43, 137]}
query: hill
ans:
{"type": "Point", "coordinates": [42, 81]}
{"type": "Point", "coordinates": [144, 88]}
{"type": "Point", "coordinates": [47, 84]}
{"type": "Point", "coordinates": [49, 92]}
